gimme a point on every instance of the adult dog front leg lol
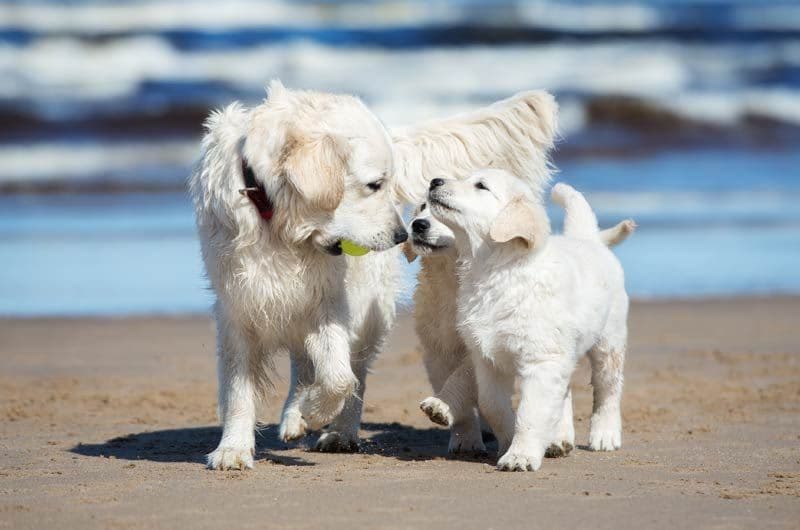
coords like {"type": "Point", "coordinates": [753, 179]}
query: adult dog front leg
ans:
{"type": "Point", "coordinates": [342, 435]}
{"type": "Point", "coordinates": [293, 426]}
{"type": "Point", "coordinates": [334, 381]}
{"type": "Point", "coordinates": [236, 401]}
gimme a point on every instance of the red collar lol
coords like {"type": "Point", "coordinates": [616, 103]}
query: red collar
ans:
{"type": "Point", "coordinates": [254, 191]}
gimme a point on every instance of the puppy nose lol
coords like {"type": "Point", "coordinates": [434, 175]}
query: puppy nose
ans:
{"type": "Point", "coordinates": [435, 183]}
{"type": "Point", "coordinates": [400, 235]}
{"type": "Point", "coordinates": [420, 225]}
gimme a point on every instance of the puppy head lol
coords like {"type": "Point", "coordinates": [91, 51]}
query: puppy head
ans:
{"type": "Point", "coordinates": [490, 206]}
{"type": "Point", "coordinates": [325, 162]}
{"type": "Point", "coordinates": [428, 236]}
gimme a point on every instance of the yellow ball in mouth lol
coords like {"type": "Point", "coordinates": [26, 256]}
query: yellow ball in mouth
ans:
{"type": "Point", "coordinates": [352, 249]}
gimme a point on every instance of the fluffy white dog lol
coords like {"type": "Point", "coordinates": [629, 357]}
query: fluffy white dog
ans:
{"type": "Point", "coordinates": [444, 353]}
{"type": "Point", "coordinates": [531, 305]}
{"type": "Point", "coordinates": [277, 190]}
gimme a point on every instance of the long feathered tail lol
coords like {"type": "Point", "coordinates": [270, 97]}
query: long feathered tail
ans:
{"type": "Point", "coordinates": [514, 134]}
{"type": "Point", "coordinates": [580, 220]}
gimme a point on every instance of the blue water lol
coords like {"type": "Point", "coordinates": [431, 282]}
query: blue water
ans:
{"type": "Point", "coordinates": [714, 189]}
{"type": "Point", "coordinates": [137, 253]}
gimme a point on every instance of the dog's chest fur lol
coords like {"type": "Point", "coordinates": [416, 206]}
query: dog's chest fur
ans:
{"type": "Point", "coordinates": [530, 307]}
{"type": "Point", "coordinates": [435, 307]}
{"type": "Point", "coordinates": [287, 293]}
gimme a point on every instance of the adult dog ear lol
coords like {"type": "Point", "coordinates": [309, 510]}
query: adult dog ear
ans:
{"type": "Point", "coordinates": [316, 168]}
{"type": "Point", "coordinates": [408, 252]}
{"type": "Point", "coordinates": [524, 220]}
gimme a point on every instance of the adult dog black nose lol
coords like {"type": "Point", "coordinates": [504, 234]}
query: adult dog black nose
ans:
{"type": "Point", "coordinates": [435, 183]}
{"type": "Point", "coordinates": [420, 225]}
{"type": "Point", "coordinates": [400, 235]}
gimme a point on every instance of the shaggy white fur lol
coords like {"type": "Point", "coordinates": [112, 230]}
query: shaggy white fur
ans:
{"type": "Point", "coordinates": [444, 353]}
{"type": "Point", "coordinates": [530, 305]}
{"type": "Point", "coordinates": [332, 172]}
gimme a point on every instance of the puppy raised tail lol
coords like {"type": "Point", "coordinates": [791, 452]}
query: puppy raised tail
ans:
{"type": "Point", "coordinates": [580, 220]}
{"type": "Point", "coordinates": [618, 233]}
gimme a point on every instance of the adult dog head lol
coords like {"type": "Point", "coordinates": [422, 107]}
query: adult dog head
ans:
{"type": "Point", "coordinates": [324, 162]}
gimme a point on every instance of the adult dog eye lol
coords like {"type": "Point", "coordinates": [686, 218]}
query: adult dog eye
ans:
{"type": "Point", "coordinates": [481, 186]}
{"type": "Point", "coordinates": [422, 208]}
{"type": "Point", "coordinates": [375, 185]}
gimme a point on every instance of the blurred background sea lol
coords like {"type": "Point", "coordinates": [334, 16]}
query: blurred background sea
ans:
{"type": "Point", "coordinates": [684, 115]}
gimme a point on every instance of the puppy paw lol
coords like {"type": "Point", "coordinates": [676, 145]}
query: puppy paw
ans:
{"type": "Point", "coordinates": [293, 427]}
{"type": "Point", "coordinates": [557, 450]}
{"type": "Point", "coordinates": [605, 433]}
{"type": "Point", "coordinates": [516, 461]}
{"type": "Point", "coordinates": [336, 442]}
{"type": "Point", "coordinates": [224, 458]}
{"type": "Point", "coordinates": [466, 443]}
{"type": "Point", "coordinates": [437, 411]}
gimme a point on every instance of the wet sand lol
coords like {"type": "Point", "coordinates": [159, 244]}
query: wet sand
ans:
{"type": "Point", "coordinates": [105, 424]}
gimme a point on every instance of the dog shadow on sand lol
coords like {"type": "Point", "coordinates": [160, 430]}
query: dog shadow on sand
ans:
{"type": "Point", "coordinates": [390, 440]}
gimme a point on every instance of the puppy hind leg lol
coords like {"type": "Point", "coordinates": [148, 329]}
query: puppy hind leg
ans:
{"type": "Point", "coordinates": [495, 389]}
{"type": "Point", "coordinates": [607, 360]}
{"type": "Point", "coordinates": [542, 392]}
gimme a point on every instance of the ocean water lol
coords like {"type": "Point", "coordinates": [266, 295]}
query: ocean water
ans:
{"type": "Point", "coordinates": [117, 254]}
{"type": "Point", "coordinates": [682, 114]}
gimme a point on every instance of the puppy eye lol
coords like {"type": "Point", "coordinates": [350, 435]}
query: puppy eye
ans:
{"type": "Point", "coordinates": [422, 208]}
{"type": "Point", "coordinates": [481, 186]}
{"type": "Point", "coordinates": [375, 185]}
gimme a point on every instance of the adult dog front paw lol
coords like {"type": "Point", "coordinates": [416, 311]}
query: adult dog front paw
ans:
{"type": "Point", "coordinates": [293, 427]}
{"type": "Point", "coordinates": [224, 458]}
{"type": "Point", "coordinates": [518, 461]}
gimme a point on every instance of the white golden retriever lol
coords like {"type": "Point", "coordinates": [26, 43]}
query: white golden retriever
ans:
{"type": "Point", "coordinates": [444, 353]}
{"type": "Point", "coordinates": [531, 305]}
{"type": "Point", "coordinates": [277, 189]}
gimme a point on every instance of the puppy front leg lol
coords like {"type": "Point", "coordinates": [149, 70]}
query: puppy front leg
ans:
{"type": "Point", "coordinates": [543, 389]}
{"type": "Point", "coordinates": [564, 442]}
{"type": "Point", "coordinates": [236, 400]}
{"type": "Point", "coordinates": [329, 351]}
{"type": "Point", "coordinates": [495, 389]}
{"type": "Point", "coordinates": [454, 407]}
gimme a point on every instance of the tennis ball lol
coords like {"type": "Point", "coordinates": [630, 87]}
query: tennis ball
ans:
{"type": "Point", "coordinates": [351, 249]}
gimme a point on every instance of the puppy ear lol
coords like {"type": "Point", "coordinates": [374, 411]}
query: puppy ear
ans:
{"type": "Point", "coordinates": [524, 220]}
{"type": "Point", "coordinates": [408, 252]}
{"type": "Point", "coordinates": [316, 169]}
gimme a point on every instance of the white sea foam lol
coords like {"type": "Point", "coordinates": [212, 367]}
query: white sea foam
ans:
{"type": "Point", "coordinates": [47, 161]}
{"type": "Point", "coordinates": [93, 18]}
{"type": "Point", "coordinates": [702, 81]}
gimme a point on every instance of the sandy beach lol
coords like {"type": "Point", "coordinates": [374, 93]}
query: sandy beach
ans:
{"type": "Point", "coordinates": [106, 423]}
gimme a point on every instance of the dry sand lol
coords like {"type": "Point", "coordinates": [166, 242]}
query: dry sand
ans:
{"type": "Point", "coordinates": [106, 423]}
